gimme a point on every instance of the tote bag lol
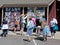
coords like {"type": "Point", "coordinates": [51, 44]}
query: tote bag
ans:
{"type": "Point", "coordinates": [55, 27]}
{"type": "Point", "coordinates": [5, 26]}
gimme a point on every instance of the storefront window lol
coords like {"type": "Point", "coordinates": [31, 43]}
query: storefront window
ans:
{"type": "Point", "coordinates": [11, 14]}
{"type": "Point", "coordinates": [14, 13]}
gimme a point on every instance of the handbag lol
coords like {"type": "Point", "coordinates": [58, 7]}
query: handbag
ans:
{"type": "Point", "coordinates": [55, 27]}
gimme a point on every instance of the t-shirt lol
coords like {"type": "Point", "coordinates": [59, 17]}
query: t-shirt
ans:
{"type": "Point", "coordinates": [30, 24]}
{"type": "Point", "coordinates": [55, 21]}
{"type": "Point", "coordinates": [51, 23]}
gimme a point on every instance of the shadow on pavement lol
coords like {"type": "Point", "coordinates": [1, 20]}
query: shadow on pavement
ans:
{"type": "Point", "coordinates": [39, 38]}
{"type": "Point", "coordinates": [18, 33]}
{"type": "Point", "coordinates": [26, 40]}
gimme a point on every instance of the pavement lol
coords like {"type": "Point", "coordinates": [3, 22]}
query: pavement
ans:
{"type": "Point", "coordinates": [16, 39]}
{"type": "Point", "coordinates": [57, 35]}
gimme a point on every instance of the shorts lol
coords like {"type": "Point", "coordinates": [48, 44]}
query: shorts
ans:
{"type": "Point", "coordinates": [15, 26]}
{"type": "Point", "coordinates": [53, 31]}
{"type": "Point", "coordinates": [29, 32]}
{"type": "Point", "coordinates": [22, 25]}
{"type": "Point", "coordinates": [46, 31]}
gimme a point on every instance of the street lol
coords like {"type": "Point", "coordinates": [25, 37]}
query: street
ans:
{"type": "Point", "coordinates": [21, 40]}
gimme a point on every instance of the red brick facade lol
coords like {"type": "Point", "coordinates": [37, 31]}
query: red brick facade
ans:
{"type": "Point", "coordinates": [52, 10]}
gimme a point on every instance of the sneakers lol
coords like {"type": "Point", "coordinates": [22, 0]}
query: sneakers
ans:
{"type": "Point", "coordinates": [53, 37]}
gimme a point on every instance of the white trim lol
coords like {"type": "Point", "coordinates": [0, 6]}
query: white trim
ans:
{"type": "Point", "coordinates": [51, 2]}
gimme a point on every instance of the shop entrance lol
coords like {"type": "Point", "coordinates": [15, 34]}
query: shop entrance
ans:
{"type": "Point", "coordinates": [11, 13]}
{"type": "Point", "coordinates": [0, 16]}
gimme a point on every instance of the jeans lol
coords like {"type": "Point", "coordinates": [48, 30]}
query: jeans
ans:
{"type": "Point", "coordinates": [5, 32]}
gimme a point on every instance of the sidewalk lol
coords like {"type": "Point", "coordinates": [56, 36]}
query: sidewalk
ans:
{"type": "Point", "coordinates": [57, 36]}
{"type": "Point", "coordinates": [9, 32]}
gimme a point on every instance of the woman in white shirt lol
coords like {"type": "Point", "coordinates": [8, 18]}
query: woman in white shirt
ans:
{"type": "Point", "coordinates": [52, 24]}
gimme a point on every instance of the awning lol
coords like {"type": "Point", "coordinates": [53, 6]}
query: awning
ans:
{"type": "Point", "coordinates": [19, 3]}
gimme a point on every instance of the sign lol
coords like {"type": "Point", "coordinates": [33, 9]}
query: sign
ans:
{"type": "Point", "coordinates": [12, 9]}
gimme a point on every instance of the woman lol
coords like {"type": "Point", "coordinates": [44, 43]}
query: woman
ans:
{"type": "Point", "coordinates": [16, 24]}
{"type": "Point", "coordinates": [53, 22]}
{"type": "Point", "coordinates": [46, 31]}
{"type": "Point", "coordinates": [4, 27]}
{"type": "Point", "coordinates": [22, 23]}
{"type": "Point", "coordinates": [38, 23]}
{"type": "Point", "coordinates": [30, 27]}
